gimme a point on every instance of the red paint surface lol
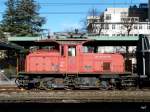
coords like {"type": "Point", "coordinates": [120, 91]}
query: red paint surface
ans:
{"type": "Point", "coordinates": [50, 61]}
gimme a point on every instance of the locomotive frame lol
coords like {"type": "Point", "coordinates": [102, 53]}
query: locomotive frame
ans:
{"type": "Point", "coordinates": [69, 79]}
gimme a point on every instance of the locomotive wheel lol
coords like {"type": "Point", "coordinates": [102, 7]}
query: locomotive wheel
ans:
{"type": "Point", "coordinates": [38, 85]}
{"type": "Point", "coordinates": [18, 83]}
{"type": "Point", "coordinates": [47, 84]}
{"type": "Point", "coordinates": [104, 85]}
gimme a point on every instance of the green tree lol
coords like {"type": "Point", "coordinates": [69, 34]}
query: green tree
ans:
{"type": "Point", "coordinates": [2, 36]}
{"type": "Point", "coordinates": [22, 18]}
{"type": "Point", "coordinates": [28, 20]}
{"type": "Point", "coordinates": [8, 22]}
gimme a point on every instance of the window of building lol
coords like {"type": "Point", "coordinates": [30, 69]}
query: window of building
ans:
{"type": "Point", "coordinates": [122, 19]}
{"type": "Point", "coordinates": [135, 27]}
{"type": "Point", "coordinates": [122, 27]}
{"type": "Point", "coordinates": [140, 26]}
{"type": "Point", "coordinates": [108, 16]}
{"type": "Point", "coordinates": [122, 34]}
{"type": "Point", "coordinates": [132, 19]}
{"type": "Point", "coordinates": [113, 26]}
{"type": "Point", "coordinates": [148, 27]}
{"type": "Point", "coordinates": [130, 34]}
{"type": "Point", "coordinates": [106, 26]}
{"type": "Point", "coordinates": [106, 35]}
{"type": "Point", "coordinates": [124, 14]}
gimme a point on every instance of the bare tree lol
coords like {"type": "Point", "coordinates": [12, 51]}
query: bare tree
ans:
{"type": "Point", "coordinates": [94, 22]}
{"type": "Point", "coordinates": [100, 25]}
{"type": "Point", "coordinates": [128, 24]}
{"type": "Point", "coordinates": [92, 18]}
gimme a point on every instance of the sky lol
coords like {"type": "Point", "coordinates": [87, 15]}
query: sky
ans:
{"type": "Point", "coordinates": [56, 22]}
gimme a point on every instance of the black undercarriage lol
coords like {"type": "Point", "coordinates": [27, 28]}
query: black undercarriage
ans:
{"type": "Point", "coordinates": [76, 81]}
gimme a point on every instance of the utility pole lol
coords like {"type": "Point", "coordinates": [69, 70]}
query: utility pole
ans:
{"type": "Point", "coordinates": [149, 10]}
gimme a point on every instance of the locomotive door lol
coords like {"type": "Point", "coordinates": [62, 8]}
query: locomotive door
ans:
{"type": "Point", "coordinates": [72, 60]}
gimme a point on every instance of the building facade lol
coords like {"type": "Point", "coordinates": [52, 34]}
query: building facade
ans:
{"type": "Point", "coordinates": [121, 22]}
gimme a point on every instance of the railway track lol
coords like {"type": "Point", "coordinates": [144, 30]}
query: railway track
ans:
{"type": "Point", "coordinates": [14, 88]}
{"type": "Point", "coordinates": [9, 88]}
{"type": "Point", "coordinates": [14, 94]}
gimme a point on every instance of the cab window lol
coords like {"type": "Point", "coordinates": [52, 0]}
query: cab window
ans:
{"type": "Point", "coordinates": [62, 50]}
{"type": "Point", "coordinates": [71, 51]}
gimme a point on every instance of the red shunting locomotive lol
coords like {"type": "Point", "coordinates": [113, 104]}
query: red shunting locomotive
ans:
{"type": "Point", "coordinates": [72, 64]}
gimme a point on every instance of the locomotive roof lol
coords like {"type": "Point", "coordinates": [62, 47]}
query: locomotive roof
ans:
{"type": "Point", "coordinates": [99, 40]}
{"type": "Point", "coordinates": [106, 38]}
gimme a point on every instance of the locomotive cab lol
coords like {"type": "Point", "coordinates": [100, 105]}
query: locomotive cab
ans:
{"type": "Point", "coordinates": [55, 58]}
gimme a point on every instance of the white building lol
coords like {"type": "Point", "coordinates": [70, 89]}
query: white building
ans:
{"type": "Point", "coordinates": [116, 22]}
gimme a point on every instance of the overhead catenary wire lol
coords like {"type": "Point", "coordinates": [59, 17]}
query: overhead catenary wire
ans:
{"type": "Point", "coordinates": [83, 3]}
{"type": "Point", "coordinates": [77, 4]}
{"type": "Point", "coordinates": [58, 13]}
{"type": "Point", "coordinates": [130, 2]}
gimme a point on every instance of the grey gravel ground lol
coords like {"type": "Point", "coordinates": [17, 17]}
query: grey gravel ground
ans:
{"type": "Point", "coordinates": [77, 96]}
